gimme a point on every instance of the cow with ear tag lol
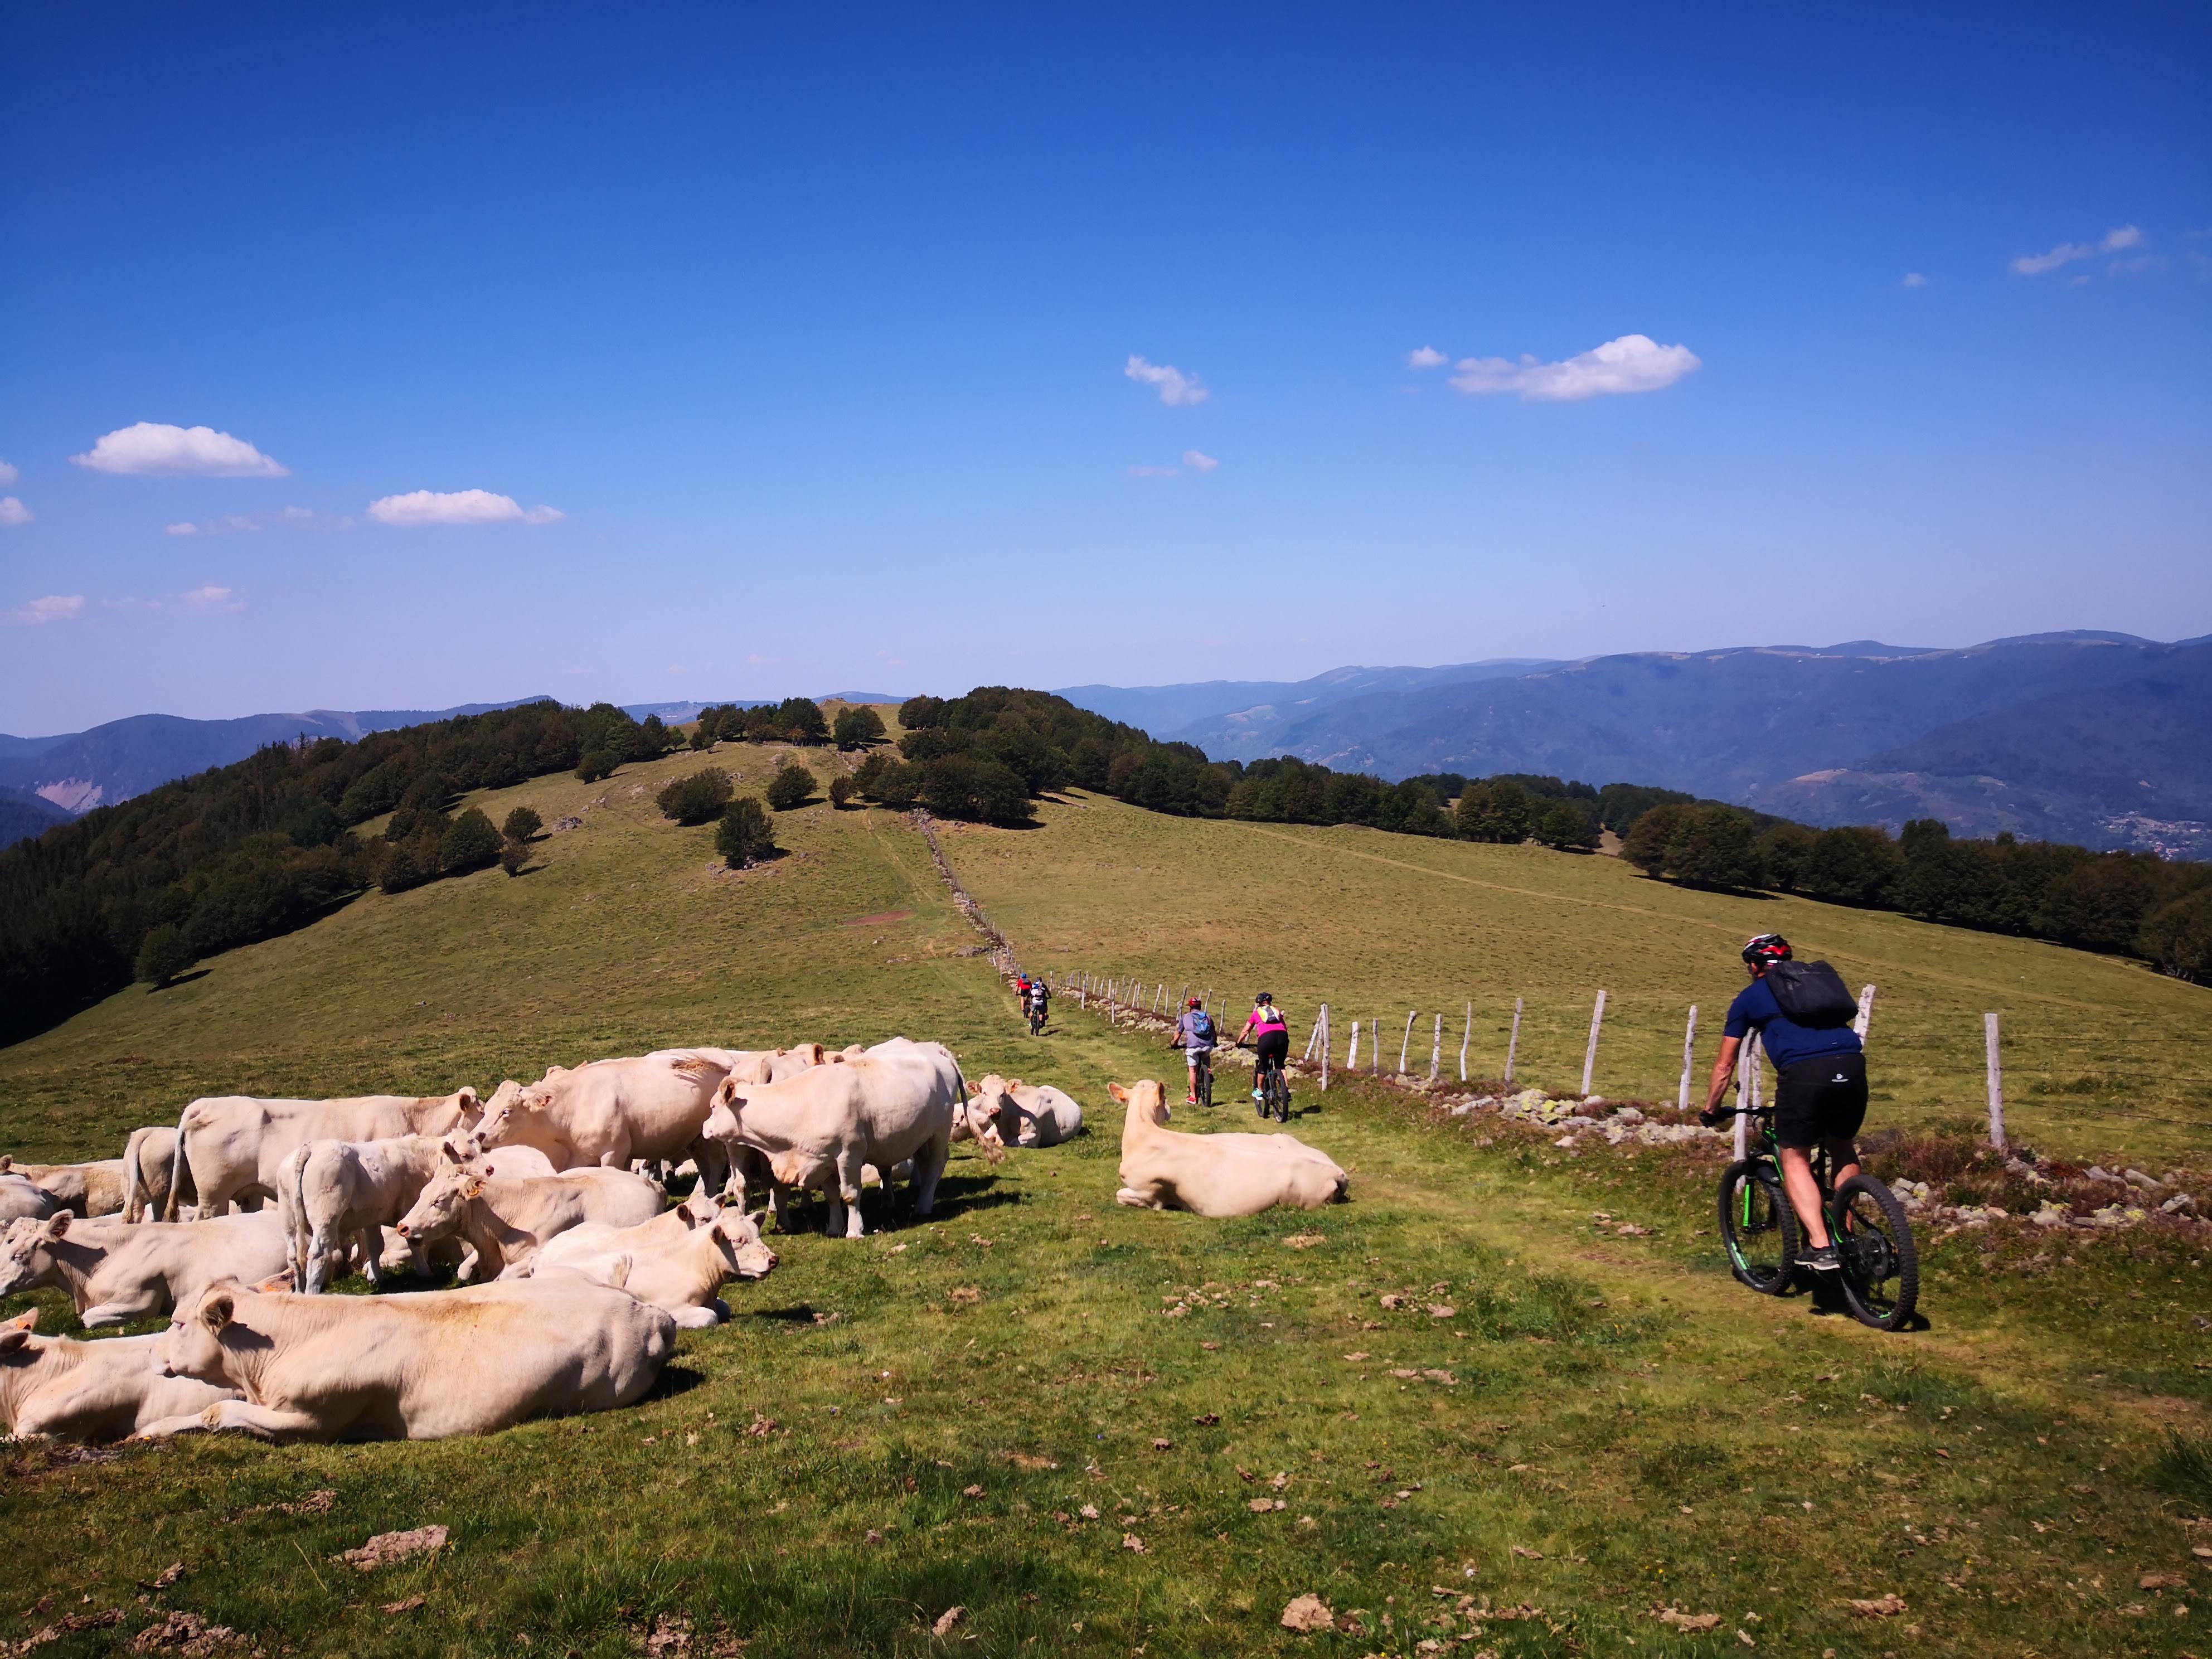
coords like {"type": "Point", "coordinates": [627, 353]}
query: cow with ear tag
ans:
{"type": "Point", "coordinates": [54, 1387]}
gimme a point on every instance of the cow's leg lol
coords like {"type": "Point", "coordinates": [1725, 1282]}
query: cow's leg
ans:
{"type": "Point", "coordinates": [116, 1313]}
{"type": "Point", "coordinates": [372, 1253]}
{"type": "Point", "coordinates": [928, 1167]}
{"type": "Point", "coordinates": [164, 1428]}
{"type": "Point", "coordinates": [848, 1190]}
{"type": "Point", "coordinates": [264, 1422]}
{"type": "Point", "coordinates": [317, 1278]}
{"type": "Point", "coordinates": [693, 1319]}
{"type": "Point", "coordinates": [1146, 1199]}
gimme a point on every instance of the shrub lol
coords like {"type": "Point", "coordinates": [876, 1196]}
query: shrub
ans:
{"type": "Point", "coordinates": [400, 870]}
{"type": "Point", "coordinates": [1645, 844]}
{"type": "Point", "coordinates": [2177, 937]}
{"type": "Point", "coordinates": [1713, 847]}
{"type": "Point", "coordinates": [470, 844]}
{"type": "Point", "coordinates": [513, 856]}
{"type": "Point", "coordinates": [745, 834]}
{"type": "Point", "coordinates": [597, 763]}
{"type": "Point", "coordinates": [859, 726]}
{"type": "Point", "coordinates": [696, 799]}
{"type": "Point", "coordinates": [1565, 825]}
{"type": "Point", "coordinates": [955, 787]}
{"type": "Point", "coordinates": [790, 787]}
{"type": "Point", "coordinates": [164, 953]}
{"type": "Point", "coordinates": [431, 791]}
{"type": "Point", "coordinates": [896, 783]}
{"type": "Point", "coordinates": [521, 824]}
{"type": "Point", "coordinates": [1498, 812]}
{"type": "Point", "coordinates": [840, 792]}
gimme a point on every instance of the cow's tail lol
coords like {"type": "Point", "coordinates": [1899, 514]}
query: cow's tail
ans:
{"type": "Point", "coordinates": [292, 1215]}
{"type": "Point", "coordinates": [134, 1182]}
{"type": "Point", "coordinates": [177, 1166]}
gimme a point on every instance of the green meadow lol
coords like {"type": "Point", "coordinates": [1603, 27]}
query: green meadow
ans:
{"type": "Point", "coordinates": [1098, 1430]}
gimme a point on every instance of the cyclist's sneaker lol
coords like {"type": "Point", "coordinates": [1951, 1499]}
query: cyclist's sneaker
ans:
{"type": "Point", "coordinates": [1825, 1260]}
{"type": "Point", "coordinates": [1259, 1093]}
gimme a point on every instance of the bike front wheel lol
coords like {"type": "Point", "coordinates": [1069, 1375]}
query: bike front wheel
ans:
{"type": "Point", "coordinates": [1881, 1264]}
{"type": "Point", "coordinates": [1758, 1226]}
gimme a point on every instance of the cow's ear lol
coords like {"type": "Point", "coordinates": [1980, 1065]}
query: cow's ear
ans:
{"type": "Point", "coordinates": [57, 1226]}
{"type": "Point", "coordinates": [450, 1152]}
{"type": "Point", "coordinates": [1118, 1092]}
{"type": "Point", "coordinates": [14, 1333]}
{"type": "Point", "coordinates": [759, 1219]}
{"type": "Point", "coordinates": [216, 1310]}
{"type": "Point", "coordinates": [1014, 1083]}
{"type": "Point", "coordinates": [467, 1094]}
{"type": "Point", "coordinates": [275, 1285]}
{"type": "Point", "coordinates": [476, 1186]}
{"type": "Point", "coordinates": [6, 1162]}
{"type": "Point", "coordinates": [684, 1214]}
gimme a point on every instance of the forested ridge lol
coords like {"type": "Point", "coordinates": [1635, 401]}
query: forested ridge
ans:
{"type": "Point", "coordinates": [251, 850]}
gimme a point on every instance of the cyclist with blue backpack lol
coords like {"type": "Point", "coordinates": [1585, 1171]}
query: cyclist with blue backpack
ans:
{"type": "Point", "coordinates": [1803, 1014]}
{"type": "Point", "coordinates": [1194, 1034]}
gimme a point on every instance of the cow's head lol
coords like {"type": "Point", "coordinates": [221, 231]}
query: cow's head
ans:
{"type": "Point", "coordinates": [27, 1256]}
{"type": "Point", "coordinates": [1147, 1102]}
{"type": "Point", "coordinates": [193, 1345]}
{"type": "Point", "coordinates": [466, 1101]}
{"type": "Point", "coordinates": [742, 1248]}
{"type": "Point", "coordinates": [723, 1119]}
{"type": "Point", "coordinates": [444, 1202]}
{"type": "Point", "coordinates": [510, 1103]}
{"type": "Point", "coordinates": [16, 1334]}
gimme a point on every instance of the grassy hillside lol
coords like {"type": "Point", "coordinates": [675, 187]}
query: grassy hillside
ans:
{"type": "Point", "coordinates": [2103, 1057]}
{"type": "Point", "coordinates": [1600, 1425]}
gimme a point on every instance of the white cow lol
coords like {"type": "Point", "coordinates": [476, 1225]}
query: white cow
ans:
{"type": "Point", "coordinates": [1224, 1175]}
{"type": "Point", "coordinates": [818, 1129]}
{"type": "Point", "coordinates": [148, 1160]}
{"type": "Point", "coordinates": [53, 1388]}
{"type": "Point", "coordinates": [1027, 1113]}
{"type": "Point", "coordinates": [607, 1112]}
{"type": "Point", "coordinates": [677, 1260]}
{"type": "Point", "coordinates": [235, 1145]}
{"type": "Point", "coordinates": [89, 1189]}
{"type": "Point", "coordinates": [25, 1200]}
{"type": "Point", "coordinates": [416, 1366]}
{"type": "Point", "coordinates": [114, 1271]}
{"type": "Point", "coordinates": [334, 1194]}
{"type": "Point", "coordinates": [506, 1219]}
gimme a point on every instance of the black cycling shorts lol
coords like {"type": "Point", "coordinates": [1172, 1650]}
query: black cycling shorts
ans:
{"type": "Point", "coordinates": [1274, 1045]}
{"type": "Point", "coordinates": [1822, 1099]}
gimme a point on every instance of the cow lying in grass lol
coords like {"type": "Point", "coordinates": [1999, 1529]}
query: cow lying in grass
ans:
{"type": "Point", "coordinates": [25, 1200]}
{"type": "Point", "coordinates": [421, 1365]}
{"type": "Point", "coordinates": [86, 1189]}
{"type": "Point", "coordinates": [677, 1261]}
{"type": "Point", "coordinates": [1027, 1113]}
{"type": "Point", "coordinates": [114, 1271]}
{"type": "Point", "coordinates": [506, 1219]}
{"type": "Point", "coordinates": [1224, 1175]}
{"type": "Point", "coordinates": [54, 1387]}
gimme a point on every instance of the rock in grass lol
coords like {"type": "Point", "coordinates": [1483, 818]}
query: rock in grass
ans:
{"type": "Point", "coordinates": [1307, 1613]}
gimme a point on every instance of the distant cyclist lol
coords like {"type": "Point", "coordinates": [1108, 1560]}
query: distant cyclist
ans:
{"type": "Point", "coordinates": [1195, 1036]}
{"type": "Point", "coordinates": [1036, 1002]}
{"type": "Point", "coordinates": [1271, 1041]}
{"type": "Point", "coordinates": [1820, 1099]}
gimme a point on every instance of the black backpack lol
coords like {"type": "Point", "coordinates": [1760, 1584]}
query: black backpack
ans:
{"type": "Point", "coordinates": [1811, 993]}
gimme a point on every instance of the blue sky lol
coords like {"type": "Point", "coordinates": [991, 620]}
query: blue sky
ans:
{"type": "Point", "coordinates": [814, 327]}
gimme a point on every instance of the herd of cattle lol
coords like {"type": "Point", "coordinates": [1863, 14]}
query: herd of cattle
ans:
{"type": "Point", "coordinates": [548, 1204]}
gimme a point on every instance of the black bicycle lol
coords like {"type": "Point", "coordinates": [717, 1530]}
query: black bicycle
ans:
{"type": "Point", "coordinates": [1880, 1273]}
{"type": "Point", "coordinates": [1202, 1076]}
{"type": "Point", "coordinates": [1036, 1013]}
{"type": "Point", "coordinates": [1273, 1089]}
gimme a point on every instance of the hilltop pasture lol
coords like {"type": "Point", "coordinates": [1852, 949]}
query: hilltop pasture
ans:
{"type": "Point", "coordinates": [1099, 1430]}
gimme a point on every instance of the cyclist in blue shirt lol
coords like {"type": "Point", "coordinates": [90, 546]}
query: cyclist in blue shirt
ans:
{"type": "Point", "coordinates": [1820, 1098]}
{"type": "Point", "coordinates": [1195, 1036]}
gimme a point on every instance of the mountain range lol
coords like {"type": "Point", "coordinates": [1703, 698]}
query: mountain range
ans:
{"type": "Point", "coordinates": [2101, 738]}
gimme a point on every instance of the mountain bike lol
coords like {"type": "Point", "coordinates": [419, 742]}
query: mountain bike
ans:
{"type": "Point", "coordinates": [1880, 1273]}
{"type": "Point", "coordinates": [1201, 1077]}
{"type": "Point", "coordinates": [1036, 1013]}
{"type": "Point", "coordinates": [1274, 1089]}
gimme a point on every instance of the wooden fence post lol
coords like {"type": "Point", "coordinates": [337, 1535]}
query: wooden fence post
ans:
{"type": "Point", "coordinates": [1407, 1043]}
{"type": "Point", "coordinates": [1513, 1042]}
{"type": "Point", "coordinates": [1866, 1011]}
{"type": "Point", "coordinates": [1324, 1047]}
{"type": "Point", "coordinates": [1352, 1060]}
{"type": "Point", "coordinates": [1749, 1083]}
{"type": "Point", "coordinates": [1466, 1037]}
{"type": "Point", "coordinates": [1689, 1059]}
{"type": "Point", "coordinates": [1374, 1049]}
{"type": "Point", "coordinates": [1436, 1050]}
{"type": "Point", "coordinates": [1997, 1081]}
{"type": "Point", "coordinates": [1590, 1054]}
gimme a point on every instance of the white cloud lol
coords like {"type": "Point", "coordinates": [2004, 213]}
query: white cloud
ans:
{"type": "Point", "coordinates": [180, 530]}
{"type": "Point", "coordinates": [1426, 357]}
{"type": "Point", "coordinates": [428, 507]}
{"type": "Point", "coordinates": [1176, 386]}
{"type": "Point", "coordinates": [1914, 279]}
{"type": "Point", "coordinates": [152, 449]}
{"type": "Point", "coordinates": [1198, 462]}
{"type": "Point", "coordinates": [55, 607]}
{"type": "Point", "coordinates": [211, 602]}
{"type": "Point", "coordinates": [8, 474]}
{"type": "Point", "coordinates": [13, 512]}
{"type": "Point", "coordinates": [246, 523]}
{"type": "Point", "coordinates": [2115, 241]}
{"type": "Point", "coordinates": [1634, 363]}
{"type": "Point", "coordinates": [1155, 471]}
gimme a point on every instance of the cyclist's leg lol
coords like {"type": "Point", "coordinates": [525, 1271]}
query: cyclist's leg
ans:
{"type": "Point", "coordinates": [1804, 1194]}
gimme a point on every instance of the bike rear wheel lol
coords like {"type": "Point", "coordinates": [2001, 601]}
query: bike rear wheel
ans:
{"type": "Point", "coordinates": [1758, 1226]}
{"type": "Point", "coordinates": [1206, 1082]}
{"type": "Point", "coordinates": [1881, 1264]}
{"type": "Point", "coordinates": [1279, 1093]}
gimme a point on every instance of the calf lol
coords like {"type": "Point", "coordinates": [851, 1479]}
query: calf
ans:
{"type": "Point", "coordinates": [334, 1194]}
{"type": "Point", "coordinates": [506, 1219]}
{"type": "Point", "coordinates": [421, 1365]}
{"type": "Point", "coordinates": [1027, 1113]}
{"type": "Point", "coordinates": [1224, 1175]}
{"type": "Point", "coordinates": [53, 1388]}
{"type": "Point", "coordinates": [235, 1145]}
{"type": "Point", "coordinates": [87, 1190]}
{"type": "Point", "coordinates": [114, 1271]}
{"type": "Point", "coordinates": [677, 1261]}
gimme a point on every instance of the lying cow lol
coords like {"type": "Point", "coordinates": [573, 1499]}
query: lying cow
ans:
{"type": "Point", "coordinates": [818, 1129]}
{"type": "Point", "coordinates": [1027, 1113]}
{"type": "Point", "coordinates": [53, 1388]}
{"type": "Point", "coordinates": [416, 1366]}
{"type": "Point", "coordinates": [677, 1261]}
{"type": "Point", "coordinates": [333, 1195]}
{"type": "Point", "coordinates": [1223, 1175]}
{"type": "Point", "coordinates": [506, 1219]}
{"type": "Point", "coordinates": [25, 1200]}
{"type": "Point", "coordinates": [149, 1159]}
{"type": "Point", "coordinates": [235, 1145]}
{"type": "Point", "coordinates": [115, 1272]}
{"type": "Point", "coordinates": [86, 1189]}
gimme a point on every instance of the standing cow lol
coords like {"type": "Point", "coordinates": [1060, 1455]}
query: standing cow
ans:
{"type": "Point", "coordinates": [235, 1145]}
{"type": "Point", "coordinates": [609, 1111]}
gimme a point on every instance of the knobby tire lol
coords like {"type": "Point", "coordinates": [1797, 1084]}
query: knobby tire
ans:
{"type": "Point", "coordinates": [1880, 1274]}
{"type": "Point", "coordinates": [1762, 1246]}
